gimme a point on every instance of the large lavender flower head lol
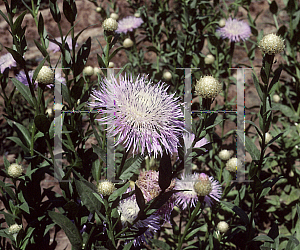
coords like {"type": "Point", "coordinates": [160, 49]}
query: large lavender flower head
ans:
{"type": "Point", "coordinates": [235, 30]}
{"type": "Point", "coordinates": [129, 24]}
{"type": "Point", "coordinates": [190, 197]}
{"type": "Point", "coordinates": [7, 61]}
{"type": "Point", "coordinates": [140, 115]}
{"type": "Point", "coordinates": [129, 210]}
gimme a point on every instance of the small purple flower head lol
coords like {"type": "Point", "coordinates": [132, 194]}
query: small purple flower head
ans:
{"type": "Point", "coordinates": [129, 24]}
{"type": "Point", "coordinates": [140, 115]}
{"type": "Point", "coordinates": [203, 182]}
{"type": "Point", "coordinates": [129, 210]}
{"type": "Point", "coordinates": [7, 61]}
{"type": "Point", "coordinates": [189, 139]}
{"type": "Point", "coordinates": [235, 30]}
{"type": "Point", "coordinates": [55, 48]}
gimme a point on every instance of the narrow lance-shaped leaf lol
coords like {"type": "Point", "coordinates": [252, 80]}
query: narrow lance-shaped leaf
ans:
{"type": "Point", "coordinates": [165, 172]}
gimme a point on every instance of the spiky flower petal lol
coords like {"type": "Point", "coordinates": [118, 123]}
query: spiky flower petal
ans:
{"type": "Point", "coordinates": [190, 197]}
{"type": "Point", "coordinates": [129, 24]}
{"type": "Point", "coordinates": [208, 87]}
{"type": "Point", "coordinates": [235, 30]}
{"type": "Point", "coordinates": [271, 44]}
{"type": "Point", "coordinates": [140, 115]}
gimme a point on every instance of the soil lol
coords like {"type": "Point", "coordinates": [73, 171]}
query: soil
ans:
{"type": "Point", "coordinates": [88, 17]}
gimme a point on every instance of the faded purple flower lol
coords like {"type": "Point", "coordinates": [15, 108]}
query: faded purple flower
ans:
{"type": "Point", "coordinates": [7, 61]}
{"type": "Point", "coordinates": [189, 139]}
{"type": "Point", "coordinates": [55, 48]}
{"type": "Point", "coordinates": [129, 210]}
{"type": "Point", "coordinates": [140, 115]}
{"type": "Point", "coordinates": [235, 30]}
{"type": "Point", "coordinates": [129, 24]}
{"type": "Point", "coordinates": [190, 198]}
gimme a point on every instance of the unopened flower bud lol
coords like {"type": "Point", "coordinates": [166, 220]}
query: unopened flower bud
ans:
{"type": "Point", "coordinates": [276, 98]}
{"type": "Point", "coordinates": [208, 87]}
{"type": "Point", "coordinates": [222, 22]}
{"type": "Point", "coordinates": [224, 154]}
{"type": "Point", "coordinates": [137, 14]}
{"type": "Point", "coordinates": [203, 186]}
{"type": "Point", "coordinates": [271, 44]}
{"type": "Point", "coordinates": [167, 76]}
{"type": "Point", "coordinates": [233, 164]}
{"type": "Point", "coordinates": [114, 16]}
{"type": "Point", "coordinates": [128, 43]}
{"type": "Point", "coordinates": [223, 226]}
{"type": "Point", "coordinates": [106, 188]}
{"type": "Point", "coordinates": [45, 76]}
{"type": "Point", "coordinates": [111, 65]}
{"type": "Point", "coordinates": [98, 9]}
{"type": "Point", "coordinates": [209, 59]}
{"type": "Point", "coordinates": [14, 229]}
{"type": "Point", "coordinates": [110, 24]}
{"type": "Point", "coordinates": [97, 71]}
{"type": "Point", "coordinates": [268, 138]}
{"type": "Point", "coordinates": [88, 71]}
{"type": "Point", "coordinates": [15, 170]}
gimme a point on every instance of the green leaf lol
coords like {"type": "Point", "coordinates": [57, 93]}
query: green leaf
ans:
{"type": "Point", "coordinates": [115, 52]}
{"type": "Point", "coordinates": [87, 197]}
{"type": "Point", "coordinates": [69, 228]}
{"type": "Point", "coordinates": [70, 10]}
{"type": "Point", "coordinates": [161, 244]}
{"type": "Point", "coordinates": [76, 90]}
{"type": "Point", "coordinates": [42, 123]}
{"type": "Point", "coordinates": [18, 58]}
{"type": "Point", "coordinates": [54, 10]}
{"type": "Point", "coordinates": [100, 62]}
{"type": "Point", "coordinates": [257, 86]}
{"type": "Point", "coordinates": [275, 78]}
{"type": "Point", "coordinates": [118, 192]}
{"type": "Point", "coordinates": [131, 167]}
{"type": "Point", "coordinates": [8, 190]}
{"type": "Point", "coordinates": [24, 90]}
{"type": "Point", "coordinates": [22, 131]}
{"type": "Point", "coordinates": [252, 149]}
{"type": "Point", "coordinates": [240, 212]}
{"type": "Point", "coordinates": [19, 142]}
{"type": "Point", "coordinates": [82, 57]}
{"type": "Point", "coordinates": [192, 233]}
{"type": "Point", "coordinates": [17, 24]}
{"type": "Point", "coordinates": [165, 172]}
{"type": "Point", "coordinates": [42, 50]}
{"type": "Point", "coordinates": [273, 7]}
{"type": "Point", "coordinates": [263, 238]}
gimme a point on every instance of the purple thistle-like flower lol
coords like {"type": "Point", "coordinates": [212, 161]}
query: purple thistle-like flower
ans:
{"type": "Point", "coordinates": [140, 115]}
{"type": "Point", "coordinates": [7, 61]}
{"type": "Point", "coordinates": [185, 198]}
{"type": "Point", "coordinates": [129, 24]}
{"type": "Point", "coordinates": [55, 48]}
{"type": "Point", "coordinates": [235, 30]}
{"type": "Point", "coordinates": [129, 209]}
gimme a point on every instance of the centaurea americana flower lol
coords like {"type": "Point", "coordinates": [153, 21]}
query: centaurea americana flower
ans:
{"type": "Point", "coordinates": [7, 61]}
{"type": "Point", "coordinates": [140, 115]}
{"type": "Point", "coordinates": [190, 197]}
{"type": "Point", "coordinates": [235, 30]}
{"type": "Point", "coordinates": [129, 24]}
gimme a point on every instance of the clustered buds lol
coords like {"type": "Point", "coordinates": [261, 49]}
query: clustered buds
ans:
{"type": "Point", "coordinates": [106, 187]}
{"type": "Point", "coordinates": [110, 24]}
{"type": "Point", "coordinates": [45, 76]}
{"type": "Point", "coordinates": [208, 87]}
{"type": "Point", "coordinates": [203, 186]}
{"type": "Point", "coordinates": [223, 226]}
{"type": "Point", "coordinates": [15, 170]}
{"type": "Point", "coordinates": [233, 164]}
{"type": "Point", "coordinates": [271, 44]}
{"type": "Point", "coordinates": [224, 154]}
{"type": "Point", "coordinates": [14, 229]}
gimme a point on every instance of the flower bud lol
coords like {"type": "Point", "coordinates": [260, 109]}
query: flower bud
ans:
{"type": "Point", "coordinates": [106, 188]}
{"type": "Point", "coordinates": [14, 229]}
{"type": "Point", "coordinates": [223, 226]}
{"type": "Point", "coordinates": [268, 138]}
{"type": "Point", "coordinates": [209, 59]}
{"type": "Point", "coordinates": [233, 164]}
{"type": "Point", "coordinates": [114, 16]}
{"type": "Point", "coordinates": [203, 186]}
{"type": "Point", "coordinates": [271, 44]}
{"type": "Point", "coordinates": [276, 98]}
{"type": "Point", "coordinates": [208, 87]}
{"type": "Point", "coordinates": [110, 24]}
{"type": "Point", "coordinates": [97, 71]}
{"type": "Point", "coordinates": [15, 170]}
{"type": "Point", "coordinates": [167, 76]}
{"type": "Point", "coordinates": [88, 71]}
{"type": "Point", "coordinates": [137, 14]}
{"type": "Point", "coordinates": [98, 9]}
{"type": "Point", "coordinates": [45, 76]}
{"type": "Point", "coordinates": [222, 22]}
{"type": "Point", "coordinates": [224, 154]}
{"type": "Point", "coordinates": [128, 43]}
{"type": "Point", "coordinates": [111, 65]}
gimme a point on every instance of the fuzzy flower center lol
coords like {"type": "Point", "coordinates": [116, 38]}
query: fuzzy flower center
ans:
{"type": "Point", "coordinates": [129, 211]}
{"type": "Point", "coordinates": [203, 186]}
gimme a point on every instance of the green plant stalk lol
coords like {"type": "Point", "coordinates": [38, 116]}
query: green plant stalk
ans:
{"type": "Point", "coordinates": [193, 216]}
